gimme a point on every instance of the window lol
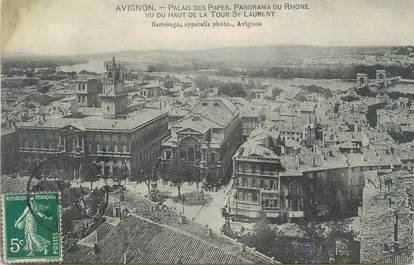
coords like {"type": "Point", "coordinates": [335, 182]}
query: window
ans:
{"type": "Point", "coordinates": [254, 197]}
{"type": "Point", "coordinates": [107, 108]}
{"type": "Point", "coordinates": [213, 157]}
{"type": "Point", "coordinates": [183, 155]}
{"type": "Point", "coordinates": [254, 185]}
{"type": "Point", "coordinates": [262, 184]}
{"type": "Point", "coordinates": [190, 154]}
{"type": "Point", "coordinates": [244, 182]}
{"type": "Point", "coordinates": [253, 168]}
{"type": "Point", "coordinates": [124, 148]}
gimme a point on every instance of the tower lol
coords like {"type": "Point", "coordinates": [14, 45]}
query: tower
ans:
{"type": "Point", "coordinates": [114, 97]}
{"type": "Point", "coordinates": [381, 76]}
{"type": "Point", "coordinates": [362, 80]}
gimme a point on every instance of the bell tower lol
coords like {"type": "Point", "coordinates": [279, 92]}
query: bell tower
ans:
{"type": "Point", "coordinates": [114, 98]}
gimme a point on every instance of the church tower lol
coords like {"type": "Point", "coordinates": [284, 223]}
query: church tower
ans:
{"type": "Point", "coordinates": [113, 98]}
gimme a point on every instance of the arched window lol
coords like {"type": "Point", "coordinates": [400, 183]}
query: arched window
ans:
{"type": "Point", "coordinates": [190, 154]}
{"type": "Point", "coordinates": [168, 154]}
{"type": "Point", "coordinates": [213, 157]}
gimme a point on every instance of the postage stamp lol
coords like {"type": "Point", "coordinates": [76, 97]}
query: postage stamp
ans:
{"type": "Point", "coordinates": [32, 227]}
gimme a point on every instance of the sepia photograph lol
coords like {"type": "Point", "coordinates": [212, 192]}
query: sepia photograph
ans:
{"type": "Point", "coordinates": [207, 132]}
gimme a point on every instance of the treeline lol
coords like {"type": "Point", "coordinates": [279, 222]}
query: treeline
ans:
{"type": "Point", "coordinates": [232, 90]}
{"type": "Point", "coordinates": [9, 63]}
{"type": "Point", "coordinates": [323, 72]}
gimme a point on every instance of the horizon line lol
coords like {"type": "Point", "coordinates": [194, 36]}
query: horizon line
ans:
{"type": "Point", "coordinates": [17, 54]}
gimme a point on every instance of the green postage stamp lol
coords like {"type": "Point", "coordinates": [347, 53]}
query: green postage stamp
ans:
{"type": "Point", "coordinates": [32, 227]}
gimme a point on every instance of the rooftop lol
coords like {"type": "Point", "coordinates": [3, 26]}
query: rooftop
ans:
{"type": "Point", "coordinates": [158, 237]}
{"type": "Point", "coordinates": [98, 123]}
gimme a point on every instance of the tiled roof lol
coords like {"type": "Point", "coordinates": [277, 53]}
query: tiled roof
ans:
{"type": "Point", "coordinates": [140, 240]}
{"type": "Point", "coordinates": [98, 123]}
{"type": "Point", "coordinates": [251, 149]}
{"type": "Point", "coordinates": [196, 122]}
{"type": "Point", "coordinates": [97, 235]}
{"type": "Point", "coordinates": [219, 110]}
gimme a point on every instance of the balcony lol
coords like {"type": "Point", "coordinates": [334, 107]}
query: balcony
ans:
{"type": "Point", "coordinates": [257, 173]}
{"type": "Point", "coordinates": [39, 150]}
{"type": "Point", "coordinates": [109, 154]}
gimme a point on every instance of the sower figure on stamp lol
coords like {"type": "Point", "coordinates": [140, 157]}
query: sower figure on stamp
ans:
{"type": "Point", "coordinates": [28, 222]}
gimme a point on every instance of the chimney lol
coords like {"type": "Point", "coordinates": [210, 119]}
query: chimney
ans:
{"type": "Point", "coordinates": [243, 248]}
{"type": "Point", "coordinates": [125, 257]}
{"type": "Point", "coordinates": [95, 249]}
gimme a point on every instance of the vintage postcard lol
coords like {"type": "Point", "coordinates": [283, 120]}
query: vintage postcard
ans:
{"type": "Point", "coordinates": [207, 132]}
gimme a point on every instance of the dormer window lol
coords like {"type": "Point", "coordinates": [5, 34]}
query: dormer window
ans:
{"type": "Point", "coordinates": [216, 104]}
{"type": "Point", "coordinates": [204, 104]}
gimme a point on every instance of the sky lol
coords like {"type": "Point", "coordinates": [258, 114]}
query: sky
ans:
{"type": "Point", "coordinates": [67, 27]}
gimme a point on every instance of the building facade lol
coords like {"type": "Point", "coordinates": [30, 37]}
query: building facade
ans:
{"type": "Point", "coordinates": [263, 186]}
{"type": "Point", "coordinates": [108, 143]}
{"type": "Point", "coordinates": [87, 92]}
{"type": "Point", "coordinates": [206, 138]}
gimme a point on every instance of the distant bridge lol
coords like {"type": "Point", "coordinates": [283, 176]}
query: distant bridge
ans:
{"type": "Point", "coordinates": [381, 81]}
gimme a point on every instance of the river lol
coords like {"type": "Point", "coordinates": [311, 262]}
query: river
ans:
{"type": "Point", "coordinates": [98, 66]}
{"type": "Point", "coordinates": [94, 65]}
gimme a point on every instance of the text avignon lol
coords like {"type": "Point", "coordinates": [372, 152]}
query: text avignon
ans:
{"type": "Point", "coordinates": [135, 7]}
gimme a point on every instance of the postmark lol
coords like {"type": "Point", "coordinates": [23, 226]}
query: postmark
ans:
{"type": "Point", "coordinates": [32, 227]}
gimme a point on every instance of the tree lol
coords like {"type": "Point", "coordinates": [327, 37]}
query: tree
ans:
{"type": "Point", "coordinates": [95, 202]}
{"type": "Point", "coordinates": [146, 174]}
{"type": "Point", "coordinates": [232, 90]}
{"type": "Point", "coordinates": [263, 235]}
{"type": "Point", "coordinates": [121, 173]}
{"type": "Point", "coordinates": [90, 173]}
{"type": "Point", "coordinates": [322, 235]}
{"type": "Point", "coordinates": [69, 215]}
{"type": "Point", "coordinates": [178, 173]}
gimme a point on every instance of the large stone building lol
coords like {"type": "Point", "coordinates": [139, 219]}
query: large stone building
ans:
{"type": "Point", "coordinates": [109, 143]}
{"type": "Point", "coordinates": [271, 180]}
{"type": "Point", "coordinates": [206, 138]}
{"type": "Point", "coordinates": [256, 176]}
